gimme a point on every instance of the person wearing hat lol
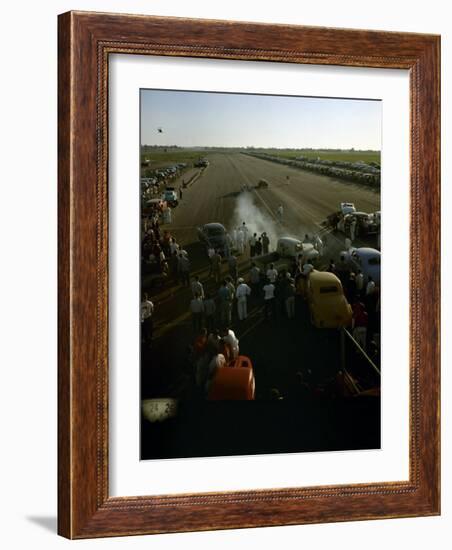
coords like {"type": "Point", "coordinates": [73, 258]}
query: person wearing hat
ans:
{"type": "Point", "coordinates": [242, 292]}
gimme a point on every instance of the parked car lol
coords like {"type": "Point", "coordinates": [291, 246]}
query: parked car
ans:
{"type": "Point", "coordinates": [214, 235]}
{"type": "Point", "coordinates": [347, 208]}
{"type": "Point", "coordinates": [325, 297]}
{"type": "Point", "coordinates": [170, 196]}
{"type": "Point", "coordinates": [365, 224]}
{"type": "Point", "coordinates": [368, 260]}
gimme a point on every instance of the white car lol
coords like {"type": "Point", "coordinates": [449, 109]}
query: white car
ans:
{"type": "Point", "coordinates": [347, 208]}
{"type": "Point", "coordinates": [288, 247]}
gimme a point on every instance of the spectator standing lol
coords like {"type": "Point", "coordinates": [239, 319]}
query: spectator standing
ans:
{"type": "Point", "coordinates": [353, 229]}
{"type": "Point", "coordinates": [184, 269]}
{"type": "Point", "coordinates": [342, 270]}
{"type": "Point", "coordinates": [147, 312]}
{"type": "Point", "coordinates": [290, 299]}
{"type": "Point", "coordinates": [224, 303]}
{"type": "Point", "coordinates": [360, 321]}
{"type": "Point", "coordinates": [269, 299]}
{"type": "Point", "coordinates": [253, 245]}
{"type": "Point", "coordinates": [240, 242]}
{"type": "Point", "coordinates": [216, 266]}
{"type": "Point", "coordinates": [351, 287]}
{"type": "Point", "coordinates": [231, 287]}
{"type": "Point", "coordinates": [242, 292]}
{"type": "Point", "coordinates": [232, 262]}
{"type": "Point", "coordinates": [370, 287]}
{"type": "Point", "coordinates": [318, 244]}
{"type": "Point", "coordinates": [209, 312]}
{"type": "Point", "coordinates": [265, 243]}
{"type": "Point", "coordinates": [280, 212]}
{"type": "Point", "coordinates": [230, 339]}
{"type": "Point", "coordinates": [197, 287]}
{"type": "Point", "coordinates": [210, 255]}
{"type": "Point", "coordinates": [332, 267]}
{"type": "Point", "coordinates": [255, 276]}
{"type": "Point", "coordinates": [245, 232]}
{"type": "Point", "coordinates": [359, 280]}
{"type": "Point", "coordinates": [258, 249]}
{"type": "Point", "coordinates": [197, 310]}
{"type": "Point", "coordinates": [272, 274]}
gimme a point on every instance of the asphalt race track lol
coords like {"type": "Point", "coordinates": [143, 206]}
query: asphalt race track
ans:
{"type": "Point", "coordinates": [226, 192]}
{"type": "Point", "coordinates": [307, 198]}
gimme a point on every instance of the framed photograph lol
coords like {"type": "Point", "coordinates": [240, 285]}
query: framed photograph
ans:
{"type": "Point", "coordinates": [248, 275]}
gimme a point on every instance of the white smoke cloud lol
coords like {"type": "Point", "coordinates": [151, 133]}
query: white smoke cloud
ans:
{"type": "Point", "coordinates": [257, 219]}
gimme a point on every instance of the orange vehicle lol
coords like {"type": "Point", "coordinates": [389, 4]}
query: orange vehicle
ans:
{"type": "Point", "coordinates": [234, 382]}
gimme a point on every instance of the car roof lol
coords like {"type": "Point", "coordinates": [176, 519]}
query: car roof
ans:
{"type": "Point", "coordinates": [320, 278]}
{"type": "Point", "coordinates": [214, 225]}
{"type": "Point", "coordinates": [366, 252]}
{"type": "Point", "coordinates": [289, 240]}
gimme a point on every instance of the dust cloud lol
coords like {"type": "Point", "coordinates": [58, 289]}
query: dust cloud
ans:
{"type": "Point", "coordinates": [256, 219]}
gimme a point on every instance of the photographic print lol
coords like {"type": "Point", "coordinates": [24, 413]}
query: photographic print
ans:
{"type": "Point", "coordinates": [260, 274]}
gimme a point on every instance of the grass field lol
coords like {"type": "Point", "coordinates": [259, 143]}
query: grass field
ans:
{"type": "Point", "coordinates": [159, 157]}
{"type": "Point", "coordinates": [345, 155]}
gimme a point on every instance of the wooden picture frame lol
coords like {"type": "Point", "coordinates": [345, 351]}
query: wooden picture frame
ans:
{"type": "Point", "coordinates": [86, 40]}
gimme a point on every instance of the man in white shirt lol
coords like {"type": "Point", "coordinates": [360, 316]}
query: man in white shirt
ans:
{"type": "Point", "coordinates": [232, 342]}
{"type": "Point", "coordinates": [272, 274]}
{"type": "Point", "coordinates": [269, 299]}
{"type": "Point", "coordinates": [243, 290]}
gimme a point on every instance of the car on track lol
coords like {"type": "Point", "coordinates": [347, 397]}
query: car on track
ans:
{"type": "Point", "coordinates": [327, 303]}
{"type": "Point", "coordinates": [262, 184]}
{"type": "Point", "coordinates": [289, 247]}
{"type": "Point", "coordinates": [368, 260]}
{"type": "Point", "coordinates": [214, 235]}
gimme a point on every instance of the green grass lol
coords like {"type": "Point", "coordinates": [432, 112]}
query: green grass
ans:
{"type": "Point", "coordinates": [159, 157]}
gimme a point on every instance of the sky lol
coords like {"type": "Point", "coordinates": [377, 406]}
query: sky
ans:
{"type": "Point", "coordinates": [206, 119]}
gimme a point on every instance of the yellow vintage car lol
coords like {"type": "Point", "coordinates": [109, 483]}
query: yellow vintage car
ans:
{"type": "Point", "coordinates": [325, 296]}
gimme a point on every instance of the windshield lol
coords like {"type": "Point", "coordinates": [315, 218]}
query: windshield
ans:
{"type": "Point", "coordinates": [374, 261]}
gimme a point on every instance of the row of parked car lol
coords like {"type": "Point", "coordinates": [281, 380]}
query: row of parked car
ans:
{"type": "Point", "coordinates": [367, 174]}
